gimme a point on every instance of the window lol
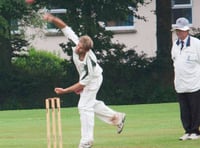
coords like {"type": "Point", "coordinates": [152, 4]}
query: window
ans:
{"type": "Point", "coordinates": [50, 27]}
{"type": "Point", "coordinates": [122, 26]}
{"type": "Point", "coordinates": [181, 8]}
{"type": "Point", "coordinates": [14, 26]}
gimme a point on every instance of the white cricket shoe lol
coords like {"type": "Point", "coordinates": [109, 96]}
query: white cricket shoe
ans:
{"type": "Point", "coordinates": [120, 126]}
{"type": "Point", "coordinates": [184, 137]}
{"type": "Point", "coordinates": [194, 136]}
{"type": "Point", "coordinates": [85, 145]}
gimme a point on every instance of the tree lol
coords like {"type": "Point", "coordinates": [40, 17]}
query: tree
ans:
{"type": "Point", "coordinates": [164, 40]}
{"type": "Point", "coordinates": [12, 10]}
{"type": "Point", "coordinates": [84, 17]}
{"type": "Point", "coordinates": [4, 44]}
{"type": "Point", "coordinates": [163, 15]}
{"type": "Point", "coordinates": [85, 13]}
{"type": "Point", "coordinates": [163, 27]}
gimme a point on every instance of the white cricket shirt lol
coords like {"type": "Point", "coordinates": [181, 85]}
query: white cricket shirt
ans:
{"type": "Point", "coordinates": [88, 69]}
{"type": "Point", "coordinates": [186, 65]}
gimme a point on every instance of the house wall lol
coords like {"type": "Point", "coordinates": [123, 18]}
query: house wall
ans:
{"type": "Point", "coordinates": [50, 43]}
{"type": "Point", "coordinates": [142, 40]}
{"type": "Point", "coordinates": [196, 17]}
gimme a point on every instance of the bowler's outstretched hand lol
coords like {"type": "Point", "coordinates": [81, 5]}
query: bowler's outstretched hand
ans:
{"type": "Point", "coordinates": [59, 90]}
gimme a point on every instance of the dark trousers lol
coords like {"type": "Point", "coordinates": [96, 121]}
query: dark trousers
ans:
{"type": "Point", "coordinates": [190, 111]}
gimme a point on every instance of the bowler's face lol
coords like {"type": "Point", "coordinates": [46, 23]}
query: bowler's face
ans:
{"type": "Point", "coordinates": [79, 48]}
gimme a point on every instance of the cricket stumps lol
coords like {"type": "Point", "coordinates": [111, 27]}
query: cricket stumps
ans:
{"type": "Point", "coordinates": [53, 122]}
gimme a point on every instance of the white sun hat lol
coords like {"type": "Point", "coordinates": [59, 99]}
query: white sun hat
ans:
{"type": "Point", "coordinates": [181, 24]}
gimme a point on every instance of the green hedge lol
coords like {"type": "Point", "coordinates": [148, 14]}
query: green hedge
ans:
{"type": "Point", "coordinates": [34, 77]}
{"type": "Point", "coordinates": [31, 80]}
{"type": "Point", "coordinates": [127, 84]}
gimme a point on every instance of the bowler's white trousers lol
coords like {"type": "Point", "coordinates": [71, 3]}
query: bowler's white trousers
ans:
{"type": "Point", "coordinates": [89, 107]}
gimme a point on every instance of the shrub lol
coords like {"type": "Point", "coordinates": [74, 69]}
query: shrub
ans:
{"type": "Point", "coordinates": [32, 79]}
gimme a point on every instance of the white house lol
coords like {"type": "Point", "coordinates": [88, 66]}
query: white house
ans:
{"type": "Point", "coordinates": [139, 35]}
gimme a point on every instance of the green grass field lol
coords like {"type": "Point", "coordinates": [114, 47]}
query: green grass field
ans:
{"type": "Point", "coordinates": [147, 126]}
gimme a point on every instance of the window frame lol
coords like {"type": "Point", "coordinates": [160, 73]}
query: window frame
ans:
{"type": "Point", "coordinates": [123, 28]}
{"type": "Point", "coordinates": [181, 6]}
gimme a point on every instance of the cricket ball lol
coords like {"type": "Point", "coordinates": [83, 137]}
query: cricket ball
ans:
{"type": "Point", "coordinates": [29, 1]}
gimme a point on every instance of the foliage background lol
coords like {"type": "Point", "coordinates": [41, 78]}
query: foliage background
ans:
{"type": "Point", "coordinates": [34, 77]}
{"type": "Point", "coordinates": [129, 78]}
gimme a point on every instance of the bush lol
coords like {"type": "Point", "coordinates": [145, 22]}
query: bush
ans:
{"type": "Point", "coordinates": [128, 79]}
{"type": "Point", "coordinates": [139, 80]}
{"type": "Point", "coordinates": [31, 80]}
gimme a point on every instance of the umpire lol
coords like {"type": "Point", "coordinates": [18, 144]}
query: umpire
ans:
{"type": "Point", "coordinates": [186, 60]}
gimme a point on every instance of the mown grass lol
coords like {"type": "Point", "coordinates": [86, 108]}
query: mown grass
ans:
{"type": "Point", "coordinates": [147, 126]}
